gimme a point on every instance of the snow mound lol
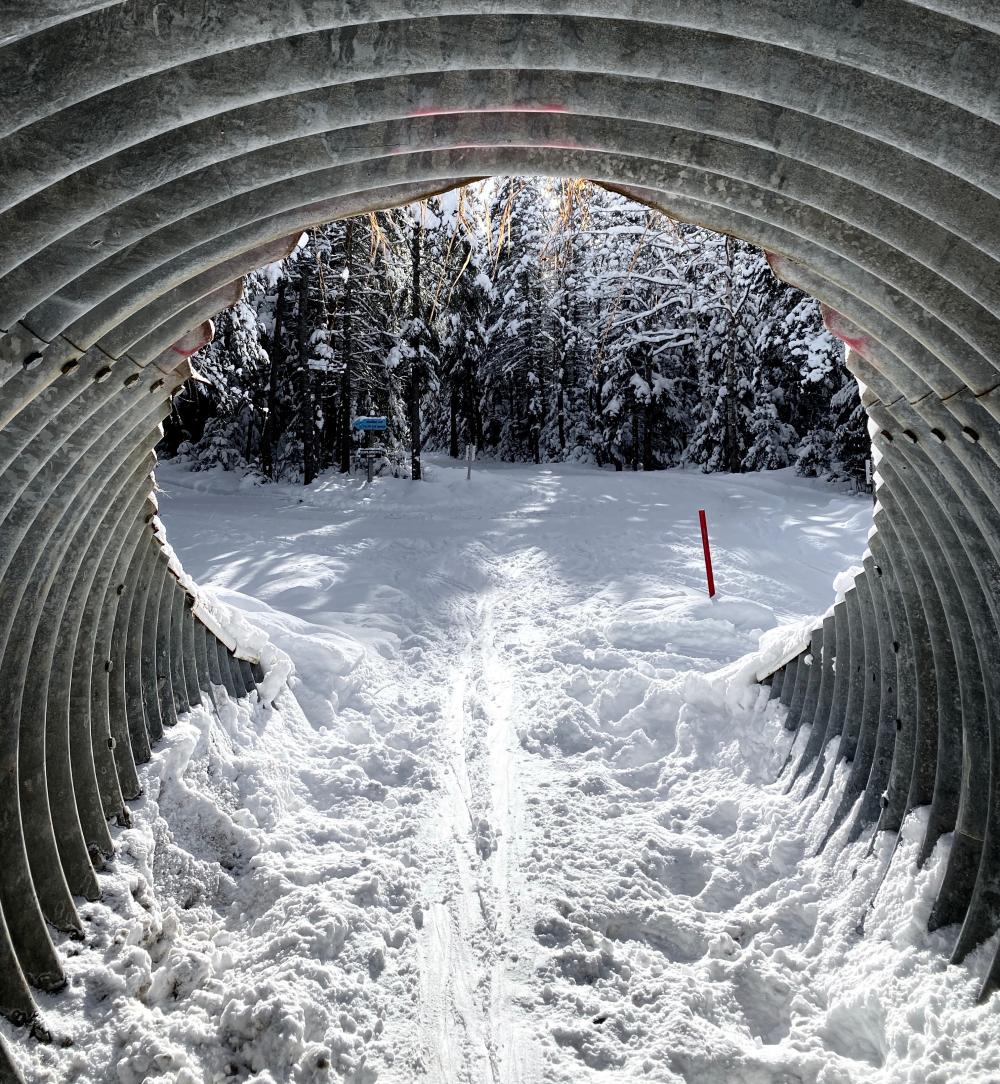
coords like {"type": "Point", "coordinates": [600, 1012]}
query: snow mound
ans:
{"type": "Point", "coordinates": [690, 625]}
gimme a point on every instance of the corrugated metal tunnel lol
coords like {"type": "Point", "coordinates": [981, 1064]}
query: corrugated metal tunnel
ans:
{"type": "Point", "coordinates": [152, 154]}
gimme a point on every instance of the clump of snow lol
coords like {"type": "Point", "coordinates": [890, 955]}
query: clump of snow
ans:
{"type": "Point", "coordinates": [515, 814]}
{"type": "Point", "coordinates": [844, 580]}
{"type": "Point", "coordinates": [780, 645]}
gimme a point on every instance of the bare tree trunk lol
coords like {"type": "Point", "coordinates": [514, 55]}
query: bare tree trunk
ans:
{"type": "Point", "coordinates": [568, 313]}
{"type": "Point", "coordinates": [414, 388]}
{"type": "Point", "coordinates": [539, 353]}
{"type": "Point", "coordinates": [560, 368]}
{"type": "Point", "coordinates": [648, 413]}
{"type": "Point", "coordinates": [635, 435]}
{"type": "Point", "coordinates": [732, 439]}
{"type": "Point", "coordinates": [347, 376]}
{"type": "Point", "coordinates": [470, 404]}
{"type": "Point", "coordinates": [453, 434]}
{"type": "Point", "coordinates": [477, 420]}
{"type": "Point", "coordinates": [562, 419]}
{"type": "Point", "coordinates": [734, 463]}
{"type": "Point", "coordinates": [269, 434]}
{"type": "Point", "coordinates": [307, 421]}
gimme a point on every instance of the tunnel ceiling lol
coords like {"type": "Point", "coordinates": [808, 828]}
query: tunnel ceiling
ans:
{"type": "Point", "coordinates": [154, 153]}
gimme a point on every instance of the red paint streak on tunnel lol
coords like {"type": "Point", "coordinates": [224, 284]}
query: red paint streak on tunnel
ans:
{"type": "Point", "coordinates": [194, 340]}
{"type": "Point", "coordinates": [547, 144]}
{"type": "Point", "coordinates": [450, 111]}
{"type": "Point", "coordinates": [842, 328]}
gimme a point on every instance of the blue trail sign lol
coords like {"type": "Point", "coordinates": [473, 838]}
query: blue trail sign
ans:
{"type": "Point", "coordinates": [371, 423]}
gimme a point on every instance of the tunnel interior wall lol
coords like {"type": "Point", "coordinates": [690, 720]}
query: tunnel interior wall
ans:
{"type": "Point", "coordinates": [154, 154]}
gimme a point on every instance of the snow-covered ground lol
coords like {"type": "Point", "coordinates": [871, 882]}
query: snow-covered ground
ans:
{"type": "Point", "coordinates": [509, 824]}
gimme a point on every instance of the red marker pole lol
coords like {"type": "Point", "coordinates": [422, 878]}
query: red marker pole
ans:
{"type": "Point", "coordinates": [708, 552]}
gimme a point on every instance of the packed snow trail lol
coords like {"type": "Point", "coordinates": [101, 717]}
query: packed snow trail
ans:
{"type": "Point", "coordinates": [512, 821]}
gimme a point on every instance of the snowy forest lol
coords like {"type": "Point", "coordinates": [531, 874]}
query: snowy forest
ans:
{"type": "Point", "coordinates": [535, 320]}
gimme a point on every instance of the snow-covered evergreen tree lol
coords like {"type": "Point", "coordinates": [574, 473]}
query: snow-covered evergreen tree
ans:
{"type": "Point", "coordinates": [514, 379]}
{"type": "Point", "coordinates": [536, 319]}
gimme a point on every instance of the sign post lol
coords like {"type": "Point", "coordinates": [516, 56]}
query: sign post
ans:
{"type": "Point", "coordinates": [708, 552]}
{"type": "Point", "coordinates": [470, 454]}
{"type": "Point", "coordinates": [368, 456]}
{"type": "Point", "coordinates": [370, 423]}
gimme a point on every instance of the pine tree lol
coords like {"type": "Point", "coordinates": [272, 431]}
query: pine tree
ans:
{"type": "Point", "coordinates": [721, 278]}
{"type": "Point", "coordinates": [645, 333]}
{"type": "Point", "coordinates": [513, 379]}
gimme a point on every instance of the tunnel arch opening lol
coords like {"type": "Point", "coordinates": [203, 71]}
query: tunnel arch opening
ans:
{"type": "Point", "coordinates": [142, 183]}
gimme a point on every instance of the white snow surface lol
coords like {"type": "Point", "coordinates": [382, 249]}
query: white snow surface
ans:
{"type": "Point", "coordinates": [514, 816]}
